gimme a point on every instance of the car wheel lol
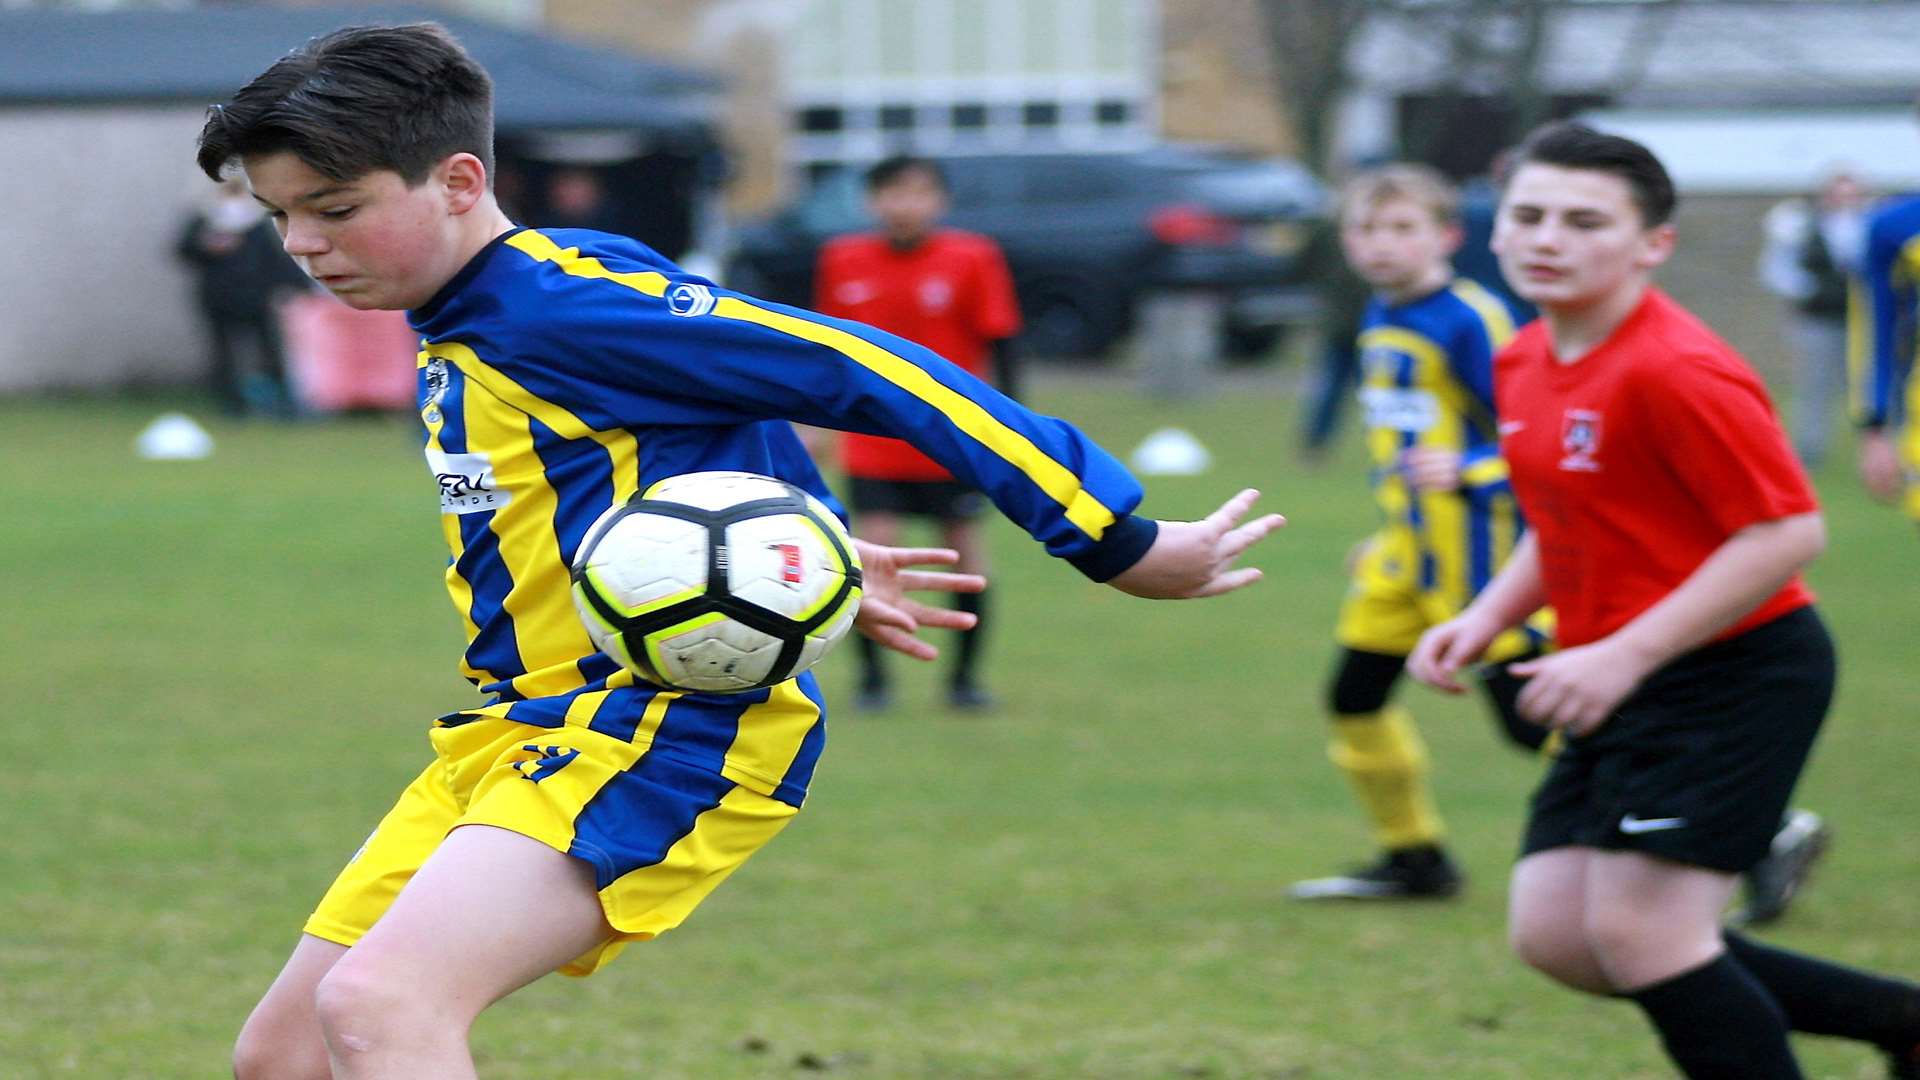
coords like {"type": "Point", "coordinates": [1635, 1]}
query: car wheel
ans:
{"type": "Point", "coordinates": [1062, 324]}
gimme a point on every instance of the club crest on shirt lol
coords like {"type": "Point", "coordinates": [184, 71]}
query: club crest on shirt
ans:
{"type": "Point", "coordinates": [936, 294]}
{"type": "Point", "coordinates": [688, 300]}
{"type": "Point", "coordinates": [1580, 440]}
{"type": "Point", "coordinates": [437, 381]}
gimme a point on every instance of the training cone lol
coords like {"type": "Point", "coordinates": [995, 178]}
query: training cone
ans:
{"type": "Point", "coordinates": [1171, 451]}
{"type": "Point", "coordinates": [173, 437]}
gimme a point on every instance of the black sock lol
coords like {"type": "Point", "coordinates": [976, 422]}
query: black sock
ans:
{"type": "Point", "coordinates": [1824, 998]}
{"type": "Point", "coordinates": [873, 669]}
{"type": "Point", "coordinates": [967, 656]}
{"type": "Point", "coordinates": [1719, 1023]}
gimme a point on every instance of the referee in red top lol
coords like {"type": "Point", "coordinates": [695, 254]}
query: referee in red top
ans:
{"type": "Point", "coordinates": [948, 290]}
{"type": "Point", "coordinates": [1669, 523]}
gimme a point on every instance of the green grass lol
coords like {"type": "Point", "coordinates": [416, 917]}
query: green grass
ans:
{"type": "Point", "coordinates": [221, 674]}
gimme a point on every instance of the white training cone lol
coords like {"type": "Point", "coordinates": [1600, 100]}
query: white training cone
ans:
{"type": "Point", "coordinates": [1171, 451]}
{"type": "Point", "coordinates": [173, 437]}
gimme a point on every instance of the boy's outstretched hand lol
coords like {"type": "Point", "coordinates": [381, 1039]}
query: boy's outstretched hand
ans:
{"type": "Point", "coordinates": [1195, 558]}
{"type": "Point", "coordinates": [888, 615]}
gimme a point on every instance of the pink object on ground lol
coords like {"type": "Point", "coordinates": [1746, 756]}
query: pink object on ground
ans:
{"type": "Point", "coordinates": [340, 358]}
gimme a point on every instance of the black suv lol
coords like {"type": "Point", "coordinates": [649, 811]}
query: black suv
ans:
{"type": "Point", "coordinates": [1086, 235]}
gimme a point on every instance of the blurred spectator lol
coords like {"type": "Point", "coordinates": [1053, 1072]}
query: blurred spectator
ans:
{"type": "Point", "coordinates": [1813, 243]}
{"type": "Point", "coordinates": [577, 199]}
{"type": "Point", "coordinates": [241, 268]}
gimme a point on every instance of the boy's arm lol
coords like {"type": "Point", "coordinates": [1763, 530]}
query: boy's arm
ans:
{"type": "Point", "coordinates": [1876, 305]}
{"type": "Point", "coordinates": [719, 358]}
{"type": "Point", "coordinates": [1516, 592]}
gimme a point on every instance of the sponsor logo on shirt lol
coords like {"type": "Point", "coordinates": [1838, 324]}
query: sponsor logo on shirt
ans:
{"type": "Point", "coordinates": [1398, 409]}
{"type": "Point", "coordinates": [689, 300]}
{"type": "Point", "coordinates": [1580, 440]}
{"type": "Point", "coordinates": [466, 483]}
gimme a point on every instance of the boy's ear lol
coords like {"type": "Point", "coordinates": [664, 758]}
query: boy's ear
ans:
{"type": "Point", "coordinates": [464, 179]}
{"type": "Point", "coordinates": [1656, 246]}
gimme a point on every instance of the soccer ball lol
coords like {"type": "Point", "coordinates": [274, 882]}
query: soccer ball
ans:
{"type": "Point", "coordinates": [717, 582]}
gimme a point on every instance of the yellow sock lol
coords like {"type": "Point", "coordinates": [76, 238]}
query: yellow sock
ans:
{"type": "Point", "coordinates": [1386, 761]}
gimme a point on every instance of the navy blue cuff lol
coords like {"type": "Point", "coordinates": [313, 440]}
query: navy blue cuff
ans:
{"type": "Point", "coordinates": [1124, 542]}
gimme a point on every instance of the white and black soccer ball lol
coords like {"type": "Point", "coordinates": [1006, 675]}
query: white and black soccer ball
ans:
{"type": "Point", "coordinates": [717, 582]}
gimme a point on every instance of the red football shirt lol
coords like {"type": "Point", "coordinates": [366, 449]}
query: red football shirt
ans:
{"type": "Point", "coordinates": [950, 293]}
{"type": "Point", "coordinates": [1636, 462]}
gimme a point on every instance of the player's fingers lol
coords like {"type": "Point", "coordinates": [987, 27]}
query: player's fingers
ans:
{"type": "Point", "coordinates": [1232, 510]}
{"type": "Point", "coordinates": [901, 641]}
{"type": "Point", "coordinates": [944, 618]}
{"type": "Point", "coordinates": [876, 614]}
{"type": "Point", "coordinates": [924, 556]}
{"type": "Point", "coordinates": [1525, 669]}
{"type": "Point", "coordinates": [1529, 703]}
{"type": "Point", "coordinates": [1244, 537]}
{"type": "Point", "coordinates": [939, 581]}
{"type": "Point", "coordinates": [1229, 581]}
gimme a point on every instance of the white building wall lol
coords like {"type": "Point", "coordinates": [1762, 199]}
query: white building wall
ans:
{"type": "Point", "coordinates": [91, 292]}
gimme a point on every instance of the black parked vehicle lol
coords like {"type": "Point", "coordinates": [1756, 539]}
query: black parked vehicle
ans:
{"type": "Point", "coordinates": [1086, 235]}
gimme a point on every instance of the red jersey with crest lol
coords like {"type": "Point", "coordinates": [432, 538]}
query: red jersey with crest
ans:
{"type": "Point", "coordinates": [1636, 462]}
{"type": "Point", "coordinates": [950, 293]}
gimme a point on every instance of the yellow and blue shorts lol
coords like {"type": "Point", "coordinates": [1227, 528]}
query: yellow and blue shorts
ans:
{"type": "Point", "coordinates": [1387, 608]}
{"type": "Point", "coordinates": [660, 834]}
{"type": "Point", "coordinates": [1910, 444]}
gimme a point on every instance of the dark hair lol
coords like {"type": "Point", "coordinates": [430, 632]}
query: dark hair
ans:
{"type": "Point", "coordinates": [890, 169]}
{"type": "Point", "coordinates": [357, 101]}
{"type": "Point", "coordinates": [1571, 145]}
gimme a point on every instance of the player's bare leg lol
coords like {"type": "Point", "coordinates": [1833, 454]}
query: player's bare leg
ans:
{"type": "Point", "coordinates": [969, 539]}
{"type": "Point", "coordinates": [1654, 925]}
{"type": "Point", "coordinates": [281, 1039]}
{"type": "Point", "coordinates": [1546, 922]}
{"type": "Point", "coordinates": [488, 913]}
{"type": "Point", "coordinates": [884, 528]}
{"type": "Point", "coordinates": [1649, 918]}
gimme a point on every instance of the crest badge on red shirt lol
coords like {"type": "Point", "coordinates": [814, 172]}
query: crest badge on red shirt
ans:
{"type": "Point", "coordinates": [1580, 440]}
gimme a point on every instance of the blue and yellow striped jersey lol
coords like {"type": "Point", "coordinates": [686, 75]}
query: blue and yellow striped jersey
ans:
{"type": "Point", "coordinates": [1426, 380]}
{"type": "Point", "coordinates": [1881, 316]}
{"type": "Point", "coordinates": [562, 371]}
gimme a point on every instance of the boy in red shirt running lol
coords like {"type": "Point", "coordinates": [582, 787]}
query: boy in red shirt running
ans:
{"type": "Point", "coordinates": [1670, 521]}
{"type": "Point", "coordinates": [950, 291]}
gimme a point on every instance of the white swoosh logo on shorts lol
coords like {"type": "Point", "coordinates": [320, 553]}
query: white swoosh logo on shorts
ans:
{"type": "Point", "coordinates": [1633, 825]}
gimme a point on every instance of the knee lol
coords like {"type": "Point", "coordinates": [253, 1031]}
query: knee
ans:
{"type": "Point", "coordinates": [357, 1004]}
{"type": "Point", "coordinates": [1555, 949]}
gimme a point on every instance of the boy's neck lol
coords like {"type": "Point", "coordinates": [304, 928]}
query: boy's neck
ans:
{"type": "Point", "coordinates": [1576, 332]}
{"type": "Point", "coordinates": [1436, 277]}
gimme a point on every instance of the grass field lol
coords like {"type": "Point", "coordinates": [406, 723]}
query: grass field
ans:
{"type": "Point", "coordinates": [222, 672]}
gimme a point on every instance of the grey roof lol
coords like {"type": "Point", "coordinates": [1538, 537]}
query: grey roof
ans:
{"type": "Point", "coordinates": [204, 54]}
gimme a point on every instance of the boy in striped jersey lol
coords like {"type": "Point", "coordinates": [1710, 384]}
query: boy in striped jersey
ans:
{"type": "Point", "coordinates": [1426, 342]}
{"type": "Point", "coordinates": [578, 809]}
